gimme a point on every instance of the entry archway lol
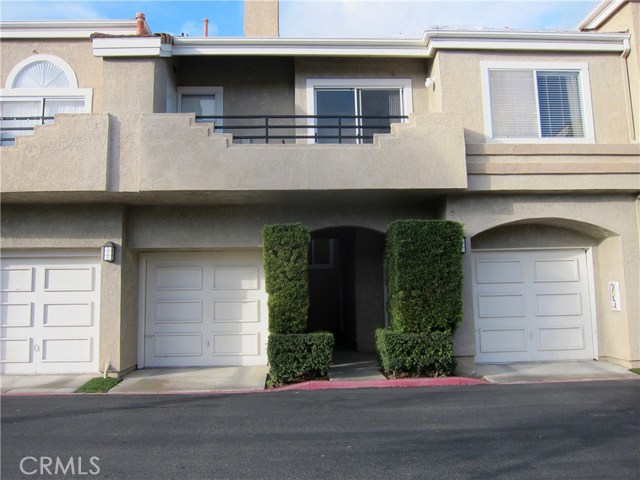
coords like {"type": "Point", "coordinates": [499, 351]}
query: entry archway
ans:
{"type": "Point", "coordinates": [346, 285]}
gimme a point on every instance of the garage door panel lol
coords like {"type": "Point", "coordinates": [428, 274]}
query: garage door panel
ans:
{"type": "Point", "coordinates": [16, 315]}
{"type": "Point", "coordinates": [556, 271]}
{"type": "Point", "coordinates": [495, 306]}
{"type": "Point", "coordinates": [236, 344]}
{"type": "Point", "coordinates": [240, 278]}
{"type": "Point", "coordinates": [236, 311]}
{"type": "Point", "coordinates": [178, 345]}
{"type": "Point", "coordinates": [561, 338]}
{"type": "Point", "coordinates": [499, 271]}
{"type": "Point", "coordinates": [17, 279]}
{"type": "Point", "coordinates": [558, 304]}
{"type": "Point", "coordinates": [16, 350]}
{"type": "Point", "coordinates": [68, 279]}
{"type": "Point", "coordinates": [186, 311]}
{"type": "Point", "coordinates": [503, 340]}
{"type": "Point", "coordinates": [167, 278]}
{"type": "Point", "coordinates": [68, 315]}
{"type": "Point", "coordinates": [67, 350]}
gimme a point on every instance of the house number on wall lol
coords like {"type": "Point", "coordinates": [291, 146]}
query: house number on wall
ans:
{"type": "Point", "coordinates": [614, 296]}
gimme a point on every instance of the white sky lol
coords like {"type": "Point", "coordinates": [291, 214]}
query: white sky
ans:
{"type": "Point", "coordinates": [316, 18]}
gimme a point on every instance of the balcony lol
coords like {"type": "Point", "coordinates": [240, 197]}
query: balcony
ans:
{"type": "Point", "coordinates": [321, 129]}
{"type": "Point", "coordinates": [178, 153]}
{"type": "Point", "coordinates": [69, 155]}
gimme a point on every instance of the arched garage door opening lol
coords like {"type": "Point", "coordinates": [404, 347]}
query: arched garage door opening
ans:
{"type": "Point", "coordinates": [533, 291]}
{"type": "Point", "coordinates": [346, 285]}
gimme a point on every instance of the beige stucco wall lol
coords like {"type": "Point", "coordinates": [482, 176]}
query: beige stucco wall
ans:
{"type": "Point", "coordinates": [627, 19]}
{"type": "Point", "coordinates": [425, 153]}
{"type": "Point", "coordinates": [261, 18]}
{"type": "Point", "coordinates": [77, 53]}
{"type": "Point", "coordinates": [79, 227]}
{"type": "Point", "coordinates": [240, 227]}
{"type": "Point", "coordinates": [251, 85]}
{"type": "Point", "coordinates": [68, 156]}
{"type": "Point", "coordinates": [605, 223]}
{"type": "Point", "coordinates": [460, 81]}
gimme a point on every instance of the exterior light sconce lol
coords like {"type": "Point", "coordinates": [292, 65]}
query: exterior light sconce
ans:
{"type": "Point", "coordinates": [464, 244]}
{"type": "Point", "coordinates": [429, 82]}
{"type": "Point", "coordinates": [109, 252]}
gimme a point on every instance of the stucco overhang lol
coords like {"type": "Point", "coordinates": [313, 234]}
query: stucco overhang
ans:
{"type": "Point", "coordinates": [423, 47]}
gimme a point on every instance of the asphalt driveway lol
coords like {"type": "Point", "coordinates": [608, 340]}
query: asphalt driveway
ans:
{"type": "Point", "coordinates": [586, 430]}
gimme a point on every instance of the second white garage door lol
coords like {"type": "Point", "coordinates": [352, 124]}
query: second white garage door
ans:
{"type": "Point", "coordinates": [205, 310]}
{"type": "Point", "coordinates": [532, 306]}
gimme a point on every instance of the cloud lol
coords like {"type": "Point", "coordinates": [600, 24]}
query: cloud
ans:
{"type": "Point", "coordinates": [366, 18]}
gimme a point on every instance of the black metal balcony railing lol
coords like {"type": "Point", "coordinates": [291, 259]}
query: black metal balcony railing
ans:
{"type": "Point", "coordinates": [257, 128]}
{"type": "Point", "coordinates": [318, 128]}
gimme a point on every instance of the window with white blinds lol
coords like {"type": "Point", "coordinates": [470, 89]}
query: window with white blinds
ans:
{"type": "Point", "coordinates": [537, 104]}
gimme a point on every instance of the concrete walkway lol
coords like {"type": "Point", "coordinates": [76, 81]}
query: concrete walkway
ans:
{"type": "Point", "coordinates": [42, 384]}
{"type": "Point", "coordinates": [554, 372]}
{"type": "Point", "coordinates": [194, 380]}
{"type": "Point", "coordinates": [354, 366]}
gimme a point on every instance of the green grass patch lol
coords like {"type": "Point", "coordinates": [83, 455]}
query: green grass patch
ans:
{"type": "Point", "coordinates": [635, 370]}
{"type": "Point", "coordinates": [99, 385]}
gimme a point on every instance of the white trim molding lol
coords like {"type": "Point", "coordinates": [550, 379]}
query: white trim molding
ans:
{"type": "Point", "coordinates": [131, 46]}
{"type": "Point", "coordinates": [600, 14]}
{"type": "Point", "coordinates": [57, 61]}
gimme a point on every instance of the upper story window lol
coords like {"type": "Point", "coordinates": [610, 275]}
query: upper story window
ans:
{"type": "Point", "coordinates": [543, 102]}
{"type": "Point", "coordinates": [37, 89]}
{"type": "Point", "coordinates": [353, 110]}
{"type": "Point", "coordinates": [205, 102]}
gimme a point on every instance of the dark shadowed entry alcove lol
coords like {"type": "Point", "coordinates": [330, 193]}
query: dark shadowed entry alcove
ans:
{"type": "Point", "coordinates": [346, 285]}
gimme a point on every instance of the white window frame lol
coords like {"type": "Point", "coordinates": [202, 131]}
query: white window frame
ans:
{"type": "Point", "coordinates": [11, 94]}
{"type": "Point", "coordinates": [585, 92]}
{"type": "Point", "coordinates": [217, 92]}
{"type": "Point", "coordinates": [403, 84]}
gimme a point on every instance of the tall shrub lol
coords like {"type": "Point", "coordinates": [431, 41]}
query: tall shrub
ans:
{"type": "Point", "coordinates": [423, 261]}
{"type": "Point", "coordinates": [285, 250]}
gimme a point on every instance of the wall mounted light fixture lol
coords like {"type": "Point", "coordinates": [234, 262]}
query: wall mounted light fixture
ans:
{"type": "Point", "coordinates": [109, 252]}
{"type": "Point", "coordinates": [464, 244]}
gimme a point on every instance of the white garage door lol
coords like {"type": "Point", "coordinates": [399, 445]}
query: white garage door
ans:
{"type": "Point", "coordinates": [205, 310]}
{"type": "Point", "coordinates": [532, 306]}
{"type": "Point", "coordinates": [50, 314]}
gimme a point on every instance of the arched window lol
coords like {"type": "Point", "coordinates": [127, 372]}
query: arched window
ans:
{"type": "Point", "coordinates": [38, 88]}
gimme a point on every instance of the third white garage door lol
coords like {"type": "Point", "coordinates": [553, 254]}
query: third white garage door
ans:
{"type": "Point", "coordinates": [205, 310]}
{"type": "Point", "coordinates": [532, 306]}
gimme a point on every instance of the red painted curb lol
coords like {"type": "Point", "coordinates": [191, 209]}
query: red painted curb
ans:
{"type": "Point", "coordinates": [389, 383]}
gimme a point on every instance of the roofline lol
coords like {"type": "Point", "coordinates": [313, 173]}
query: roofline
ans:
{"type": "Point", "coordinates": [425, 47]}
{"type": "Point", "coordinates": [65, 28]}
{"type": "Point", "coordinates": [600, 14]}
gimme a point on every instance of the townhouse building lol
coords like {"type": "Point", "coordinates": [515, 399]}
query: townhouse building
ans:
{"type": "Point", "coordinates": [138, 170]}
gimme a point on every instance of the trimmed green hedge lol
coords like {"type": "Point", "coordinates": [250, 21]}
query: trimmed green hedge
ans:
{"type": "Point", "coordinates": [423, 261]}
{"type": "Point", "coordinates": [298, 357]}
{"type": "Point", "coordinates": [285, 250]}
{"type": "Point", "coordinates": [415, 354]}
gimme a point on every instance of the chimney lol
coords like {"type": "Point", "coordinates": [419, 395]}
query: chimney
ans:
{"type": "Point", "coordinates": [261, 18]}
{"type": "Point", "coordinates": [206, 27]}
{"type": "Point", "coordinates": [141, 25]}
